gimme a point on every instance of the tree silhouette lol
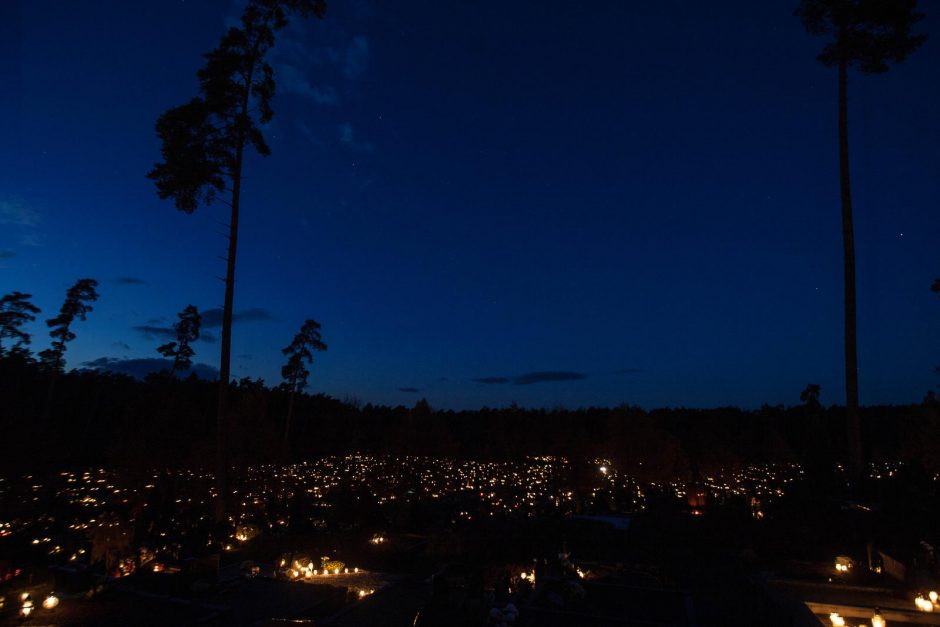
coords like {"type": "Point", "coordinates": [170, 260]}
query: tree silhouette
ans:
{"type": "Point", "coordinates": [75, 306]}
{"type": "Point", "coordinates": [810, 396]}
{"type": "Point", "coordinates": [295, 372]}
{"type": "Point", "coordinates": [187, 331]}
{"type": "Point", "coordinates": [204, 141]}
{"type": "Point", "coordinates": [52, 359]}
{"type": "Point", "coordinates": [867, 34]}
{"type": "Point", "coordinates": [15, 311]}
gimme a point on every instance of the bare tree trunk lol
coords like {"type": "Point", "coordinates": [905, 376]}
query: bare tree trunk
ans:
{"type": "Point", "coordinates": [226, 349]}
{"type": "Point", "coordinates": [848, 251]}
{"type": "Point", "coordinates": [226, 352]}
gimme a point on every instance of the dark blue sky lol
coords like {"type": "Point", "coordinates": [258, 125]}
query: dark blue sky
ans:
{"type": "Point", "coordinates": [644, 195]}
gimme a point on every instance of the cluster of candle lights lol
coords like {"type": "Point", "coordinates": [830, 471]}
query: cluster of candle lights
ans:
{"type": "Point", "coordinates": [876, 620]}
{"type": "Point", "coordinates": [928, 602]}
{"type": "Point", "coordinates": [504, 487]}
{"type": "Point", "coordinates": [27, 606]}
{"type": "Point", "coordinates": [261, 496]}
{"type": "Point", "coordinates": [303, 569]}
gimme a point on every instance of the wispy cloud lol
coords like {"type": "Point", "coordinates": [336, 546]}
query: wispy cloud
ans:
{"type": "Point", "coordinates": [409, 390]}
{"type": "Point", "coordinates": [293, 81]}
{"type": "Point", "coordinates": [340, 58]}
{"type": "Point", "coordinates": [356, 58]}
{"type": "Point", "coordinates": [30, 238]}
{"type": "Point", "coordinates": [155, 332]}
{"type": "Point", "coordinates": [124, 346]}
{"type": "Point", "coordinates": [492, 380]}
{"type": "Point", "coordinates": [21, 218]}
{"type": "Point", "coordinates": [322, 63]}
{"type": "Point", "coordinates": [540, 377]}
{"type": "Point", "coordinates": [347, 137]}
{"type": "Point", "coordinates": [530, 378]}
{"type": "Point", "coordinates": [130, 280]}
{"type": "Point", "coordinates": [15, 211]}
{"type": "Point", "coordinates": [7, 254]}
{"type": "Point", "coordinates": [150, 332]}
{"type": "Point", "coordinates": [547, 376]}
{"type": "Point", "coordinates": [159, 329]}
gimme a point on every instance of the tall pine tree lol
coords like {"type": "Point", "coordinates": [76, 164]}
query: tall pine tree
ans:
{"type": "Point", "coordinates": [76, 305]}
{"type": "Point", "coordinates": [187, 332]}
{"type": "Point", "coordinates": [15, 311]}
{"type": "Point", "coordinates": [204, 143]}
{"type": "Point", "coordinates": [868, 35]}
{"type": "Point", "coordinates": [294, 372]}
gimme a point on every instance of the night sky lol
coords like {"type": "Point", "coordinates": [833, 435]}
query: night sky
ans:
{"type": "Point", "coordinates": [553, 203]}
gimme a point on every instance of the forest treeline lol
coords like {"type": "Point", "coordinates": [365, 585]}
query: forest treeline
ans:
{"type": "Point", "coordinates": [112, 420]}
